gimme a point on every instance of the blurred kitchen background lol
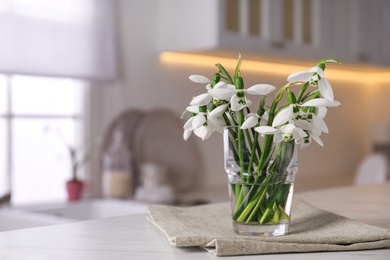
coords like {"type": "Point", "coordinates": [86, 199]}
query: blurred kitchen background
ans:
{"type": "Point", "coordinates": [108, 79]}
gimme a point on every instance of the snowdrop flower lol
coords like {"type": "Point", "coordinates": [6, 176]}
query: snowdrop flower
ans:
{"type": "Point", "coordinates": [236, 96]}
{"type": "Point", "coordinates": [204, 123]}
{"type": "Point", "coordinates": [313, 134]}
{"type": "Point", "coordinates": [316, 77]}
{"type": "Point", "coordinates": [286, 132]}
{"type": "Point", "coordinates": [291, 132]}
{"type": "Point", "coordinates": [221, 91]}
{"type": "Point", "coordinates": [237, 103]}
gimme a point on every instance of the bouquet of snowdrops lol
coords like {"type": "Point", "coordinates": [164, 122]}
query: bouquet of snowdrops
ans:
{"type": "Point", "coordinates": [261, 143]}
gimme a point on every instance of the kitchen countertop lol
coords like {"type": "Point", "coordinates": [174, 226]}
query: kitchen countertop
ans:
{"type": "Point", "coordinates": [133, 237]}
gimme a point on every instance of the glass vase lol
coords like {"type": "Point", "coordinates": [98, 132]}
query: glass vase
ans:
{"type": "Point", "coordinates": [261, 178]}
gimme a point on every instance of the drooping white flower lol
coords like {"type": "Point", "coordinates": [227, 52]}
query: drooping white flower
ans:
{"type": "Point", "coordinates": [205, 98]}
{"type": "Point", "coordinates": [292, 132]}
{"type": "Point", "coordinates": [316, 77]}
{"type": "Point", "coordinates": [204, 123]}
{"type": "Point", "coordinates": [312, 135]}
{"type": "Point", "coordinates": [238, 103]}
{"type": "Point", "coordinates": [285, 133]}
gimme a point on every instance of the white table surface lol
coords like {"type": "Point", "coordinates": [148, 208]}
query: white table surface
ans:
{"type": "Point", "coordinates": [133, 237]}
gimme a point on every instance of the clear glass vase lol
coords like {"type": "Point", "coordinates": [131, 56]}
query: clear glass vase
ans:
{"type": "Point", "coordinates": [261, 178]}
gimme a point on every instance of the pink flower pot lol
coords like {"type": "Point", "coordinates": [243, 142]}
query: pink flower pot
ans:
{"type": "Point", "coordinates": [74, 189]}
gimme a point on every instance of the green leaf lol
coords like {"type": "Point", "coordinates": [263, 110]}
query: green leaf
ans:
{"type": "Point", "coordinates": [328, 60]}
{"type": "Point", "coordinates": [237, 72]}
{"type": "Point", "coordinates": [224, 73]}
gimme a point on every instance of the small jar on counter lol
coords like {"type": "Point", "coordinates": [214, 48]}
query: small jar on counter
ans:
{"type": "Point", "coordinates": [118, 178]}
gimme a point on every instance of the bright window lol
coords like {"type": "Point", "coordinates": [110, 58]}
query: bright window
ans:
{"type": "Point", "coordinates": [39, 117]}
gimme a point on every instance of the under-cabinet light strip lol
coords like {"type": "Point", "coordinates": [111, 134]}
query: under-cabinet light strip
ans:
{"type": "Point", "coordinates": [336, 73]}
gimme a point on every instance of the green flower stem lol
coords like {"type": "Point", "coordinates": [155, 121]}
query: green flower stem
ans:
{"type": "Point", "coordinates": [272, 203]}
{"type": "Point", "coordinates": [241, 206]}
{"type": "Point", "coordinates": [275, 218]}
{"type": "Point", "coordinates": [263, 190]}
{"type": "Point", "coordinates": [248, 209]}
{"type": "Point", "coordinates": [241, 142]}
{"type": "Point", "coordinates": [311, 95]}
{"type": "Point", "coordinates": [283, 213]}
{"type": "Point", "coordinates": [254, 146]}
{"type": "Point", "coordinates": [302, 91]}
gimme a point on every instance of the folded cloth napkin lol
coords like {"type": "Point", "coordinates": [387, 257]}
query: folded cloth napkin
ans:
{"type": "Point", "coordinates": [311, 230]}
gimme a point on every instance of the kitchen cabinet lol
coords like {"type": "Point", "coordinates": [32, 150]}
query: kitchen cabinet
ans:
{"type": "Point", "coordinates": [354, 31]}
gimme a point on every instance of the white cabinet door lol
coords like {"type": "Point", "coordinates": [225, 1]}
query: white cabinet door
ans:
{"type": "Point", "coordinates": [352, 30]}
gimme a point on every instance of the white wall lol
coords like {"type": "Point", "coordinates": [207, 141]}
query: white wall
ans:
{"type": "Point", "coordinates": [147, 83]}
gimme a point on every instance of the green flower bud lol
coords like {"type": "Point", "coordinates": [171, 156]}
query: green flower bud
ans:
{"type": "Point", "coordinates": [291, 98]}
{"type": "Point", "coordinates": [239, 83]}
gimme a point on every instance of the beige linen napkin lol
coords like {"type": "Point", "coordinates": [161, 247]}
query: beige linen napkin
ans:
{"type": "Point", "coordinates": [311, 229]}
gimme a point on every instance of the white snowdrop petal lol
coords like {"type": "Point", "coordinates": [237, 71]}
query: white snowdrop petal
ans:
{"type": "Point", "coordinates": [199, 79]}
{"type": "Point", "coordinates": [334, 103]}
{"type": "Point", "coordinates": [201, 100]}
{"type": "Point", "coordinates": [193, 109]}
{"type": "Point", "coordinates": [266, 130]}
{"type": "Point", "coordinates": [303, 124]}
{"type": "Point", "coordinates": [326, 89]}
{"type": "Point", "coordinates": [234, 103]}
{"type": "Point", "coordinates": [203, 132]}
{"type": "Point", "coordinates": [222, 93]}
{"type": "Point", "coordinates": [215, 125]}
{"type": "Point", "coordinates": [317, 102]}
{"type": "Point", "coordinates": [321, 111]}
{"type": "Point", "coordinates": [186, 134]}
{"type": "Point", "coordinates": [300, 76]}
{"type": "Point", "coordinates": [288, 129]}
{"type": "Point", "coordinates": [260, 89]}
{"type": "Point", "coordinates": [317, 139]}
{"type": "Point", "coordinates": [188, 125]}
{"type": "Point", "coordinates": [198, 121]}
{"type": "Point", "coordinates": [283, 116]}
{"type": "Point", "coordinates": [318, 70]}
{"type": "Point", "coordinates": [218, 111]}
{"type": "Point", "coordinates": [251, 121]}
{"type": "Point", "coordinates": [220, 84]}
{"type": "Point", "coordinates": [299, 134]}
{"type": "Point", "coordinates": [320, 124]}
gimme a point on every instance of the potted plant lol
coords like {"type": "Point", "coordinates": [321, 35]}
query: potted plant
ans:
{"type": "Point", "coordinates": [75, 186]}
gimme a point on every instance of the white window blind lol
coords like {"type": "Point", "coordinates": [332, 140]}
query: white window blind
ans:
{"type": "Point", "coordinates": [69, 38]}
